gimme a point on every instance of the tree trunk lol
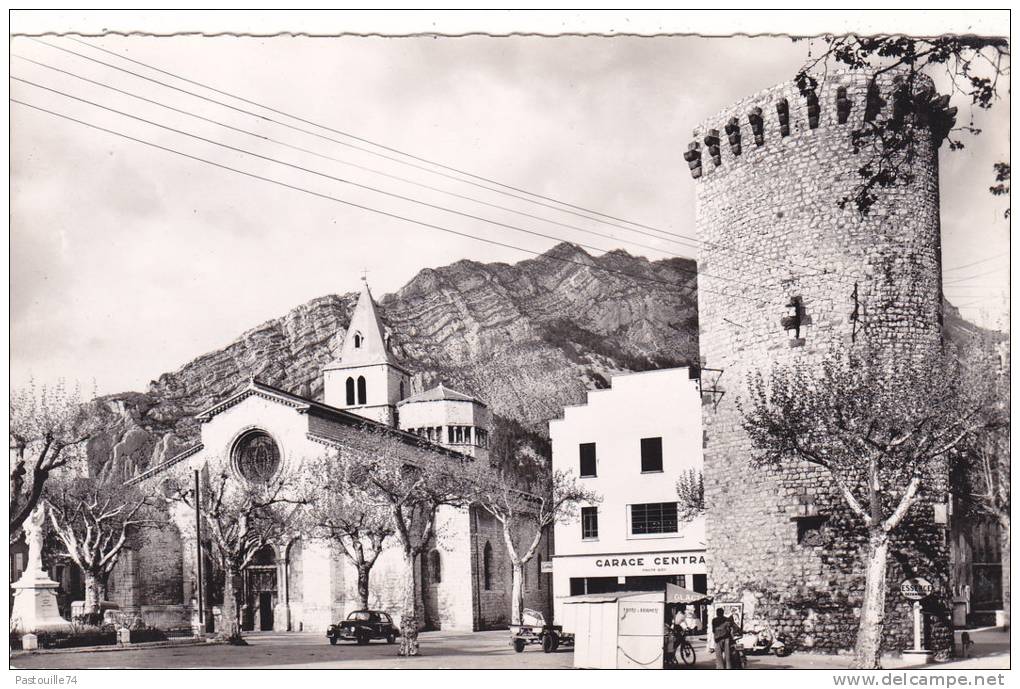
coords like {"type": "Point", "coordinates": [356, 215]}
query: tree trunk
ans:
{"type": "Point", "coordinates": [230, 628]}
{"type": "Point", "coordinates": [517, 593]}
{"type": "Point", "coordinates": [409, 611]}
{"type": "Point", "coordinates": [868, 651]}
{"type": "Point", "coordinates": [1004, 522]}
{"type": "Point", "coordinates": [363, 572]}
{"type": "Point", "coordinates": [95, 592]}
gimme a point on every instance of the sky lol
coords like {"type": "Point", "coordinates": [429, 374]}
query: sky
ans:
{"type": "Point", "coordinates": [128, 261]}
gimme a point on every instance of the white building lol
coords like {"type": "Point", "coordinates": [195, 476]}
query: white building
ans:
{"type": "Point", "coordinates": [300, 583]}
{"type": "Point", "coordinates": [630, 443]}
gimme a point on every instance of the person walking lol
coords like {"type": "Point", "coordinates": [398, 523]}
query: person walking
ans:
{"type": "Point", "coordinates": [722, 636]}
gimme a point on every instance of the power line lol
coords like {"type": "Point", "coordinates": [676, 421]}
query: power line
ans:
{"type": "Point", "coordinates": [354, 165]}
{"type": "Point", "coordinates": [299, 119]}
{"type": "Point", "coordinates": [968, 265]}
{"type": "Point", "coordinates": [973, 277]}
{"type": "Point", "coordinates": [361, 139]}
{"type": "Point", "coordinates": [364, 207]}
{"type": "Point", "coordinates": [347, 181]}
{"type": "Point", "coordinates": [382, 146]}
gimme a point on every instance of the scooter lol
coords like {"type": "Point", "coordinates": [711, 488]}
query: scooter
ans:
{"type": "Point", "coordinates": [764, 641]}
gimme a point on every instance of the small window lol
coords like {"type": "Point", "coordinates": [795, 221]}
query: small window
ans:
{"type": "Point", "coordinates": [651, 455]}
{"type": "Point", "coordinates": [588, 469]}
{"type": "Point", "coordinates": [351, 399]}
{"type": "Point", "coordinates": [653, 518]}
{"type": "Point", "coordinates": [358, 339]}
{"type": "Point", "coordinates": [538, 569]}
{"type": "Point", "coordinates": [809, 531]}
{"type": "Point", "coordinates": [362, 391]}
{"type": "Point", "coordinates": [487, 566]}
{"type": "Point", "coordinates": [437, 567]}
{"type": "Point", "coordinates": [449, 434]}
{"type": "Point", "coordinates": [589, 522]}
{"type": "Point", "coordinates": [401, 389]}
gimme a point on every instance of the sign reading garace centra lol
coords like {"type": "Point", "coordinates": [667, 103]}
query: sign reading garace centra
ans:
{"type": "Point", "coordinates": [676, 562]}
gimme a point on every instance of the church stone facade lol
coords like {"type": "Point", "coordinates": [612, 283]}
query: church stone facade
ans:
{"type": "Point", "coordinates": [770, 172]}
{"type": "Point", "coordinates": [303, 584]}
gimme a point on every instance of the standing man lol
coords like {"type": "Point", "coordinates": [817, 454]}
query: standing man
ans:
{"type": "Point", "coordinates": [722, 634]}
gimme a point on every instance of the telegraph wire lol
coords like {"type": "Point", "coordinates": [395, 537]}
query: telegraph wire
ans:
{"type": "Point", "coordinates": [352, 183]}
{"type": "Point", "coordinates": [370, 209]}
{"type": "Point", "coordinates": [360, 167]}
{"type": "Point", "coordinates": [973, 277]}
{"type": "Point", "coordinates": [376, 153]}
{"type": "Point", "coordinates": [362, 139]}
{"type": "Point", "coordinates": [968, 265]}
{"type": "Point", "coordinates": [291, 126]}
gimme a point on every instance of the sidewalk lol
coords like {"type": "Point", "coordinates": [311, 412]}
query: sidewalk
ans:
{"type": "Point", "coordinates": [169, 643]}
{"type": "Point", "coordinates": [990, 652]}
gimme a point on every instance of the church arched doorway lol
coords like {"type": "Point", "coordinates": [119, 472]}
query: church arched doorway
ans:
{"type": "Point", "coordinates": [260, 591]}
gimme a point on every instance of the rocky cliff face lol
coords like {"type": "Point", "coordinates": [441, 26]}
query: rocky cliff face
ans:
{"type": "Point", "coordinates": [528, 338]}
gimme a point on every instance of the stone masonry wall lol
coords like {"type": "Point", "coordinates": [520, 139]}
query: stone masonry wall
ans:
{"type": "Point", "coordinates": [772, 229]}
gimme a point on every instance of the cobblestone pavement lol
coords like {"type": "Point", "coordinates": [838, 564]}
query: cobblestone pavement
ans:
{"type": "Point", "coordinates": [454, 650]}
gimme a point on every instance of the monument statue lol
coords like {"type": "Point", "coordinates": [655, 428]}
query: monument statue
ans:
{"type": "Point", "coordinates": [35, 598]}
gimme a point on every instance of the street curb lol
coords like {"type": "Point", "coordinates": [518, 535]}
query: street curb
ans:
{"type": "Point", "coordinates": [109, 648]}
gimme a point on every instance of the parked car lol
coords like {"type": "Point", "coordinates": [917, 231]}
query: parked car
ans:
{"type": "Point", "coordinates": [362, 626]}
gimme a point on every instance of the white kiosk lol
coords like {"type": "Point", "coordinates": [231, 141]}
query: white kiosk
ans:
{"type": "Point", "coordinates": [616, 630]}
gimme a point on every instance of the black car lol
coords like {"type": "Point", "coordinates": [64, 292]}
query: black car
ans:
{"type": "Point", "coordinates": [363, 626]}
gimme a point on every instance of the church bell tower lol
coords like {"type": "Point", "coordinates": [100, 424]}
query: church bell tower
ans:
{"type": "Point", "coordinates": [366, 380]}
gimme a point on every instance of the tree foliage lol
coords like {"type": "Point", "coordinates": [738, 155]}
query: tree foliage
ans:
{"type": "Point", "coordinates": [346, 515]}
{"type": "Point", "coordinates": [882, 426]}
{"type": "Point", "coordinates": [94, 521]}
{"type": "Point", "coordinates": [412, 480]}
{"type": "Point", "coordinates": [977, 69]}
{"type": "Point", "coordinates": [690, 492]}
{"type": "Point", "coordinates": [239, 518]}
{"type": "Point", "coordinates": [49, 426]}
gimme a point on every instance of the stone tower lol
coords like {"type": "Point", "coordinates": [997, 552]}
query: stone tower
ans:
{"type": "Point", "coordinates": [366, 380]}
{"type": "Point", "coordinates": [787, 275]}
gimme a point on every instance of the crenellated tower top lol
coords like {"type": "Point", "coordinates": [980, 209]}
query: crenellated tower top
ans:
{"type": "Point", "coordinates": [786, 113]}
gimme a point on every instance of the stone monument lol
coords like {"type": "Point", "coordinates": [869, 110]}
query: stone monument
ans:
{"type": "Point", "coordinates": [35, 598]}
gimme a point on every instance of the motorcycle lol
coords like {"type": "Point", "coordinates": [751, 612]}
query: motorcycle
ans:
{"type": "Point", "coordinates": [764, 641]}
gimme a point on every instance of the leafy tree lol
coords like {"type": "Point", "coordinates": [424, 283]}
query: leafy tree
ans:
{"type": "Point", "coordinates": [95, 521]}
{"type": "Point", "coordinates": [241, 517]}
{"type": "Point", "coordinates": [49, 427]}
{"type": "Point", "coordinates": [525, 510]}
{"type": "Point", "coordinates": [984, 460]}
{"type": "Point", "coordinates": [890, 137]}
{"type": "Point", "coordinates": [347, 516]}
{"type": "Point", "coordinates": [881, 426]}
{"type": "Point", "coordinates": [690, 492]}
{"type": "Point", "coordinates": [393, 469]}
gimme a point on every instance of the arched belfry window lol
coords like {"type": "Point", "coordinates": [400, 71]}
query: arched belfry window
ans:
{"type": "Point", "coordinates": [401, 389]}
{"type": "Point", "coordinates": [487, 566]}
{"type": "Point", "coordinates": [350, 391]}
{"type": "Point", "coordinates": [358, 339]}
{"type": "Point", "coordinates": [362, 391]}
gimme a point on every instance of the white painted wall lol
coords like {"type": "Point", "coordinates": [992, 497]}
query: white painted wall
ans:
{"type": "Point", "coordinates": [664, 403]}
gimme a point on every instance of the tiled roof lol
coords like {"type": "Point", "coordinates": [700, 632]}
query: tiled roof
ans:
{"type": "Point", "coordinates": [440, 392]}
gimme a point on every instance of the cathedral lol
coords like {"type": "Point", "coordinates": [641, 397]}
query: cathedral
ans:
{"type": "Point", "coordinates": [300, 584]}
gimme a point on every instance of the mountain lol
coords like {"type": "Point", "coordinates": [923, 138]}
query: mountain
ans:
{"type": "Point", "coordinates": [527, 338]}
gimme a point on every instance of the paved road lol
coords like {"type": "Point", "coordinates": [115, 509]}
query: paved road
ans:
{"type": "Point", "coordinates": [453, 650]}
{"type": "Point", "coordinates": [311, 650]}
